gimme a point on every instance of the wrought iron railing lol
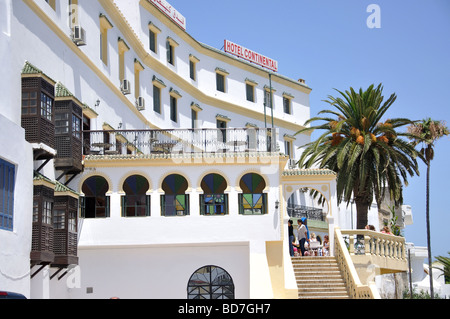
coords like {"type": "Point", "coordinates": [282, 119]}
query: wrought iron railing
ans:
{"type": "Point", "coordinates": [179, 141]}
{"type": "Point", "coordinates": [299, 211]}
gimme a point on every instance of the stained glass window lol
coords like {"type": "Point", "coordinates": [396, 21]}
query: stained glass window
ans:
{"type": "Point", "coordinates": [136, 203]}
{"type": "Point", "coordinates": [213, 201]}
{"type": "Point", "coordinates": [175, 201]}
{"type": "Point", "coordinates": [252, 201]}
{"type": "Point", "coordinates": [210, 282]}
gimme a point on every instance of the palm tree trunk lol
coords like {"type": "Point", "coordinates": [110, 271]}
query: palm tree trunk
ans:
{"type": "Point", "coordinates": [430, 271]}
{"type": "Point", "coordinates": [362, 209]}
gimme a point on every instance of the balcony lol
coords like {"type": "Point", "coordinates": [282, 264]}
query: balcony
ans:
{"type": "Point", "coordinates": [179, 141]}
{"type": "Point", "coordinates": [310, 213]}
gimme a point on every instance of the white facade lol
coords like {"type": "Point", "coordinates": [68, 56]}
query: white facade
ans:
{"type": "Point", "coordinates": [138, 252]}
{"type": "Point", "coordinates": [154, 256]}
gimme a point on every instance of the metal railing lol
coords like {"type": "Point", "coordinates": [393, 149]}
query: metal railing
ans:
{"type": "Point", "coordinates": [179, 141]}
{"type": "Point", "coordinates": [299, 211]}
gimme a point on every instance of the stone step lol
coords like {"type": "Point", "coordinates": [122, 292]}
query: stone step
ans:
{"type": "Point", "coordinates": [319, 278]}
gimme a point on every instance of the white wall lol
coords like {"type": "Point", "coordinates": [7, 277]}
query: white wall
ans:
{"type": "Point", "coordinates": [15, 246]}
{"type": "Point", "coordinates": [157, 272]}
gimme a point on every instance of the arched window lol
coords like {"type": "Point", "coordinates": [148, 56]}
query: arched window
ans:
{"type": "Point", "coordinates": [210, 282]}
{"type": "Point", "coordinates": [95, 203]}
{"type": "Point", "coordinates": [252, 201]}
{"type": "Point", "coordinates": [175, 201]}
{"type": "Point", "coordinates": [213, 201]}
{"type": "Point", "coordinates": [136, 202]}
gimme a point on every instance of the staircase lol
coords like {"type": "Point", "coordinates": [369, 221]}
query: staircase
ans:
{"type": "Point", "coordinates": [319, 278]}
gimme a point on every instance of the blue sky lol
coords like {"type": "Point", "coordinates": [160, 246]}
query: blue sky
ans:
{"type": "Point", "coordinates": [328, 43]}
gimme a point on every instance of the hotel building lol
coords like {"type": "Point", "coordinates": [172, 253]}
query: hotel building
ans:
{"type": "Point", "coordinates": [138, 162]}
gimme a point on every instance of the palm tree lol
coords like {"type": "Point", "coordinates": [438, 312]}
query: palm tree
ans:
{"type": "Point", "coordinates": [367, 154]}
{"type": "Point", "coordinates": [428, 132]}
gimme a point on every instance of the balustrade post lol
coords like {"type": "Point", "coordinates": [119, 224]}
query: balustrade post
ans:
{"type": "Point", "coordinates": [352, 244]}
{"type": "Point", "coordinates": [367, 246]}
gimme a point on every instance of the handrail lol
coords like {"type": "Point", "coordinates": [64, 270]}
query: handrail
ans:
{"type": "Point", "coordinates": [375, 244]}
{"type": "Point", "coordinates": [179, 141]}
{"type": "Point", "coordinates": [355, 288]}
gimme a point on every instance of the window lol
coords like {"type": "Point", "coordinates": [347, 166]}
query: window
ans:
{"type": "Point", "coordinates": [76, 126]}
{"type": "Point", "coordinates": [156, 99]}
{"type": "Point", "coordinates": [136, 203]}
{"type": "Point", "coordinates": [210, 282]}
{"type": "Point", "coordinates": [288, 148]}
{"type": "Point", "coordinates": [171, 44]}
{"type": "Point", "coordinates": [29, 103]}
{"type": "Point", "coordinates": [123, 48]}
{"type": "Point", "coordinates": [268, 98]}
{"type": "Point", "coordinates": [194, 117]}
{"type": "Point", "coordinates": [195, 108]}
{"type": "Point", "coordinates": [174, 96]}
{"type": "Point", "coordinates": [153, 37]}
{"type": "Point", "coordinates": [61, 123]}
{"type": "Point", "coordinates": [170, 54]}
{"type": "Point", "coordinates": [287, 103]}
{"type": "Point", "coordinates": [222, 126]}
{"type": "Point", "coordinates": [192, 70]}
{"type": "Point", "coordinates": [95, 203]}
{"type": "Point", "coordinates": [152, 41]}
{"type": "Point", "coordinates": [158, 84]}
{"type": "Point", "coordinates": [46, 107]}
{"type": "Point", "coordinates": [59, 219]}
{"type": "Point", "coordinates": [252, 201]}
{"type": "Point", "coordinates": [221, 75]}
{"type": "Point", "coordinates": [173, 108]}
{"type": "Point", "coordinates": [175, 201]}
{"type": "Point", "coordinates": [193, 67]}
{"type": "Point", "coordinates": [7, 184]}
{"type": "Point", "coordinates": [220, 82]}
{"type": "Point", "coordinates": [250, 89]}
{"type": "Point", "coordinates": [105, 25]}
{"type": "Point", "coordinates": [213, 201]}
{"type": "Point", "coordinates": [138, 68]}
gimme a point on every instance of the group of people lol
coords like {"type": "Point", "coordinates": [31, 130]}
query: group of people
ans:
{"type": "Point", "coordinates": [384, 230]}
{"type": "Point", "coordinates": [304, 239]}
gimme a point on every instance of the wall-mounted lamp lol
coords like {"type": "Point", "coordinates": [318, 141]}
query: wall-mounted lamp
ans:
{"type": "Point", "coordinates": [277, 204]}
{"type": "Point", "coordinates": [97, 103]}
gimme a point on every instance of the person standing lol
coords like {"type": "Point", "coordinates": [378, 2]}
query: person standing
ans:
{"type": "Point", "coordinates": [302, 235]}
{"type": "Point", "coordinates": [291, 238]}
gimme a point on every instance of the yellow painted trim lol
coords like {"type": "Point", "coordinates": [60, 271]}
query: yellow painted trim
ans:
{"type": "Point", "coordinates": [156, 65]}
{"type": "Point", "coordinates": [40, 75]}
{"type": "Point", "coordinates": [52, 4]}
{"type": "Point", "coordinates": [67, 193]}
{"type": "Point", "coordinates": [274, 255]}
{"type": "Point", "coordinates": [154, 28]}
{"type": "Point", "coordinates": [88, 62]}
{"type": "Point", "coordinates": [218, 56]}
{"type": "Point", "coordinates": [45, 183]}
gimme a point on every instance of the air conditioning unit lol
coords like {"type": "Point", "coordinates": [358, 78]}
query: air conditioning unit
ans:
{"type": "Point", "coordinates": [125, 87]}
{"type": "Point", "coordinates": [78, 35]}
{"type": "Point", "coordinates": [292, 164]}
{"type": "Point", "coordinates": [140, 103]}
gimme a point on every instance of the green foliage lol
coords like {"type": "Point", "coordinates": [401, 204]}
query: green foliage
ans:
{"type": "Point", "coordinates": [368, 154]}
{"type": "Point", "coordinates": [446, 262]}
